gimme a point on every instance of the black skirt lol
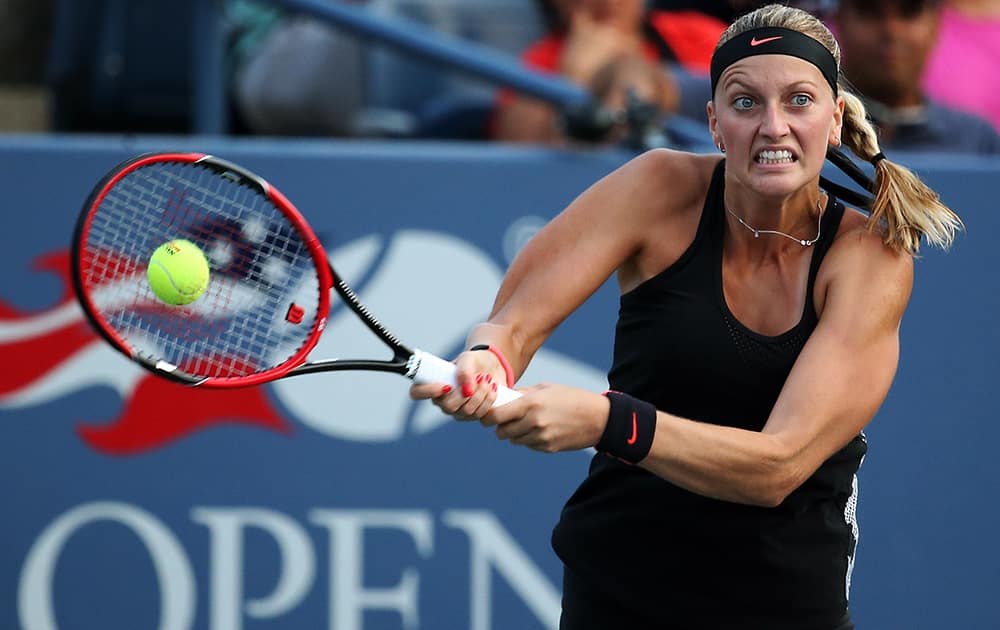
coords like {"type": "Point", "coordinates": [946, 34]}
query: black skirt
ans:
{"type": "Point", "coordinates": [585, 607]}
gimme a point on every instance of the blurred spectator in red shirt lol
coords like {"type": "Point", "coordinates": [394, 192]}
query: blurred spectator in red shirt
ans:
{"type": "Point", "coordinates": [611, 48]}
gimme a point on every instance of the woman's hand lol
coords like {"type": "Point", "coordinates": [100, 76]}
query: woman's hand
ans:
{"type": "Point", "coordinates": [477, 373]}
{"type": "Point", "coordinates": [551, 418]}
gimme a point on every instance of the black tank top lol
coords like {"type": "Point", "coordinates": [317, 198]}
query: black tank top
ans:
{"type": "Point", "coordinates": [679, 559]}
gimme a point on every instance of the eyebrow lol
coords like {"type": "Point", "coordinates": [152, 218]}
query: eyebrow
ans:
{"type": "Point", "coordinates": [735, 80]}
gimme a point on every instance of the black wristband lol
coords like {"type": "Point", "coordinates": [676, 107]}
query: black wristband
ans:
{"type": "Point", "coordinates": [631, 425]}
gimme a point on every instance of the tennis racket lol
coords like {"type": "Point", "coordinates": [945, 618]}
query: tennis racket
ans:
{"type": "Point", "coordinates": [268, 297]}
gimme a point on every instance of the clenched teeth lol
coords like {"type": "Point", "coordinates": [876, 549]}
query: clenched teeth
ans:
{"type": "Point", "coordinates": [775, 157]}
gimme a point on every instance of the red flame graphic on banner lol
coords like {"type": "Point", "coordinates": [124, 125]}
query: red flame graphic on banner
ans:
{"type": "Point", "coordinates": [155, 413]}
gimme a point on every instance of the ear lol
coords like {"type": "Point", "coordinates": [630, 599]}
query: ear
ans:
{"type": "Point", "coordinates": [713, 123]}
{"type": "Point", "coordinates": [838, 121]}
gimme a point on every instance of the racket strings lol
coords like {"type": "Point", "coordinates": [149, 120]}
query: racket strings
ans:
{"type": "Point", "coordinates": [259, 266]}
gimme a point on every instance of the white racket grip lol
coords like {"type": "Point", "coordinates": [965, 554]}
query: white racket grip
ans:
{"type": "Point", "coordinates": [427, 368]}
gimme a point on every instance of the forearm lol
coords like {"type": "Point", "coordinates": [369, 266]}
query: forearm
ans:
{"type": "Point", "coordinates": [530, 305]}
{"type": "Point", "coordinates": [721, 462]}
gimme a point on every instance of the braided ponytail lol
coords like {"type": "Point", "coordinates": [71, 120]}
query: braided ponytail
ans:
{"type": "Point", "coordinates": [904, 208]}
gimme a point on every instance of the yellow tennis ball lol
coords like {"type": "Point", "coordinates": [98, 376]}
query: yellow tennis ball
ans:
{"type": "Point", "coordinates": [178, 272]}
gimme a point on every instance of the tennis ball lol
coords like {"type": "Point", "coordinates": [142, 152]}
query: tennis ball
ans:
{"type": "Point", "coordinates": [178, 272]}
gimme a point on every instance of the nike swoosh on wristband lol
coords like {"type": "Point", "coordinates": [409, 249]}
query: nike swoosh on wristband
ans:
{"type": "Point", "coordinates": [635, 431]}
{"type": "Point", "coordinates": [758, 42]}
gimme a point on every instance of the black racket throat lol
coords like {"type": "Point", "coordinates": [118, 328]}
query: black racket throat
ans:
{"type": "Point", "coordinates": [402, 361]}
{"type": "Point", "coordinates": [352, 301]}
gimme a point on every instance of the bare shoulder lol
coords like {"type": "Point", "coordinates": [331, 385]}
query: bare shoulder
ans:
{"type": "Point", "coordinates": [862, 269]}
{"type": "Point", "coordinates": [646, 195]}
{"type": "Point", "coordinates": [856, 245]}
{"type": "Point", "coordinates": [665, 191]}
{"type": "Point", "coordinates": [676, 162]}
{"type": "Point", "coordinates": [679, 176]}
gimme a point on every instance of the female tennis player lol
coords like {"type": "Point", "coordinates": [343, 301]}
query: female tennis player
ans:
{"type": "Point", "coordinates": [757, 336]}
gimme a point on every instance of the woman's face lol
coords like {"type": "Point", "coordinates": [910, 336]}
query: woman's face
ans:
{"type": "Point", "coordinates": [775, 115]}
{"type": "Point", "coordinates": [624, 14]}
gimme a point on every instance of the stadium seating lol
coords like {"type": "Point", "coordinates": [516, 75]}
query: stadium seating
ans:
{"type": "Point", "coordinates": [137, 66]}
{"type": "Point", "coordinates": [121, 65]}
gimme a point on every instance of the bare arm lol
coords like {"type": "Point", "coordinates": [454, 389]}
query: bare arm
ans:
{"type": "Point", "coordinates": [839, 381]}
{"type": "Point", "coordinates": [837, 384]}
{"type": "Point", "coordinates": [654, 199]}
{"type": "Point", "coordinates": [609, 227]}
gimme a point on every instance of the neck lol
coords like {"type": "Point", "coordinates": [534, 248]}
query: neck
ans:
{"type": "Point", "coordinates": [757, 227]}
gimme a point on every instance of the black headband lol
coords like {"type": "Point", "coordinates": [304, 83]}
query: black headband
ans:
{"type": "Point", "coordinates": [774, 41]}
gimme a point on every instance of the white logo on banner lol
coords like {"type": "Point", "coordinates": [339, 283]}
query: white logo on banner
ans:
{"type": "Point", "coordinates": [429, 289]}
{"type": "Point", "coordinates": [493, 553]}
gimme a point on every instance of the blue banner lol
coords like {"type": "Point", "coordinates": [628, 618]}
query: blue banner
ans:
{"type": "Point", "coordinates": [333, 500]}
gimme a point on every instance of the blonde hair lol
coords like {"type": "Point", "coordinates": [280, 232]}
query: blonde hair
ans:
{"type": "Point", "coordinates": [904, 209]}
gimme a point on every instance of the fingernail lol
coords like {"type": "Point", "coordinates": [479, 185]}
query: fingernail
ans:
{"type": "Point", "coordinates": [489, 378]}
{"type": "Point", "coordinates": [494, 387]}
{"type": "Point", "coordinates": [467, 389]}
{"type": "Point", "coordinates": [479, 378]}
{"type": "Point", "coordinates": [446, 389]}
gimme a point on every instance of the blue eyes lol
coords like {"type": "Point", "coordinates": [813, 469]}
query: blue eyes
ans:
{"type": "Point", "coordinates": [745, 102]}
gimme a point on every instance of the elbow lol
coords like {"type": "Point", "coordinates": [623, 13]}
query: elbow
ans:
{"type": "Point", "coordinates": [773, 495]}
{"type": "Point", "coordinates": [780, 476]}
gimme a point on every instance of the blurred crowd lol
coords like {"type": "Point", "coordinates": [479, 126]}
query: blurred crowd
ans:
{"type": "Point", "coordinates": [127, 66]}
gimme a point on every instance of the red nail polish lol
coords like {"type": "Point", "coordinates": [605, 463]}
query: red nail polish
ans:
{"type": "Point", "coordinates": [489, 378]}
{"type": "Point", "coordinates": [479, 378]}
{"type": "Point", "coordinates": [494, 387]}
{"type": "Point", "coordinates": [446, 389]}
{"type": "Point", "coordinates": [467, 389]}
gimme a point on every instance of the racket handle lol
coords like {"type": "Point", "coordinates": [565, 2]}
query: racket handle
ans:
{"type": "Point", "coordinates": [427, 368]}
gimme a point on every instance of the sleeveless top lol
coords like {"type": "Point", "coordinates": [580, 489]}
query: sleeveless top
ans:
{"type": "Point", "coordinates": [676, 557]}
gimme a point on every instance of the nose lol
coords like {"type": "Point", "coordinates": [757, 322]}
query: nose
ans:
{"type": "Point", "coordinates": [774, 124]}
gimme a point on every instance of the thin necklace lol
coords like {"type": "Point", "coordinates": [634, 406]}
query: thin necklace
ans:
{"type": "Point", "coordinates": [802, 242]}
